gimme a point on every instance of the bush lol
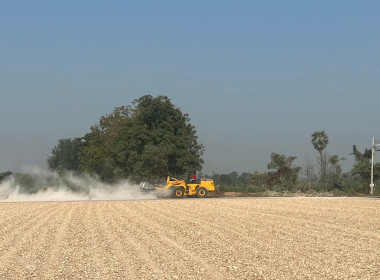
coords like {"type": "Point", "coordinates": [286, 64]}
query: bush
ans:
{"type": "Point", "coordinates": [4, 175]}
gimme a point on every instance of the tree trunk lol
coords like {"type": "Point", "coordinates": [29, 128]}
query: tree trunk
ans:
{"type": "Point", "coordinates": [322, 169]}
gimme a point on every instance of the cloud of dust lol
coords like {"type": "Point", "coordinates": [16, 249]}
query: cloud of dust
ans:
{"type": "Point", "coordinates": [47, 186]}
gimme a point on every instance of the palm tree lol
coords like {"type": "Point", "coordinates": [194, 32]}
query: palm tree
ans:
{"type": "Point", "coordinates": [320, 141]}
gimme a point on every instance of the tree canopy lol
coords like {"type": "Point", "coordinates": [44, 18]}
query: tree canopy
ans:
{"type": "Point", "coordinates": [285, 172]}
{"type": "Point", "coordinates": [151, 138]}
{"type": "Point", "coordinates": [320, 140]}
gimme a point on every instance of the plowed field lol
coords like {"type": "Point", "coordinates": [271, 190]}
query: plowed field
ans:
{"type": "Point", "coordinates": [301, 238]}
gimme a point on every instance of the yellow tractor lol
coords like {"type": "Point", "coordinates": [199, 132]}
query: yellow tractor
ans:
{"type": "Point", "coordinates": [194, 185]}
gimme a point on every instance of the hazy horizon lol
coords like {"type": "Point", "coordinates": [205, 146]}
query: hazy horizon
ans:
{"type": "Point", "coordinates": [254, 77]}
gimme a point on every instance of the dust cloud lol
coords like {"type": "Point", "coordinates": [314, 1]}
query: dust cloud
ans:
{"type": "Point", "coordinates": [67, 187]}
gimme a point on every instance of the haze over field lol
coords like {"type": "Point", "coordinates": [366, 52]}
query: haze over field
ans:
{"type": "Point", "coordinates": [255, 77]}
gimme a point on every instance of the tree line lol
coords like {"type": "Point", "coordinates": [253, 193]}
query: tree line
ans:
{"type": "Point", "coordinates": [324, 176]}
{"type": "Point", "coordinates": [152, 138]}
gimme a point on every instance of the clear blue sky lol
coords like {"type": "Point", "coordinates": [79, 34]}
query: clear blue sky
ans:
{"type": "Point", "coordinates": [255, 76]}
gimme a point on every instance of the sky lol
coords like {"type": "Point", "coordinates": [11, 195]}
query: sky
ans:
{"type": "Point", "coordinates": [256, 77]}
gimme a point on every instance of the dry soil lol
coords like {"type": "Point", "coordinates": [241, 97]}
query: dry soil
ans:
{"type": "Point", "coordinates": [291, 238]}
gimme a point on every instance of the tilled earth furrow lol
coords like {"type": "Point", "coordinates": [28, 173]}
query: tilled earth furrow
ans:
{"type": "Point", "coordinates": [15, 218]}
{"type": "Point", "coordinates": [26, 246]}
{"type": "Point", "coordinates": [191, 239]}
{"type": "Point", "coordinates": [172, 257]}
{"type": "Point", "coordinates": [130, 248]}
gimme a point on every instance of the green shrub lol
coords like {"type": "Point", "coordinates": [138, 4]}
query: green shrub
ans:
{"type": "Point", "coordinates": [3, 175]}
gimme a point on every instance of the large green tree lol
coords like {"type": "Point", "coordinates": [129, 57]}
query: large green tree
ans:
{"type": "Point", "coordinates": [320, 140]}
{"type": "Point", "coordinates": [150, 138]}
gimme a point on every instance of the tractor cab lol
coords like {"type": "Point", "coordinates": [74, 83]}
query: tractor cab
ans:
{"type": "Point", "coordinates": [193, 177]}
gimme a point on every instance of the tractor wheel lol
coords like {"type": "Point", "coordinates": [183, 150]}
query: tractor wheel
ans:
{"type": "Point", "coordinates": [179, 192]}
{"type": "Point", "coordinates": [202, 192]}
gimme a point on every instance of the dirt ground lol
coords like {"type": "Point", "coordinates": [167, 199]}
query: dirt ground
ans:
{"type": "Point", "coordinates": [287, 238]}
